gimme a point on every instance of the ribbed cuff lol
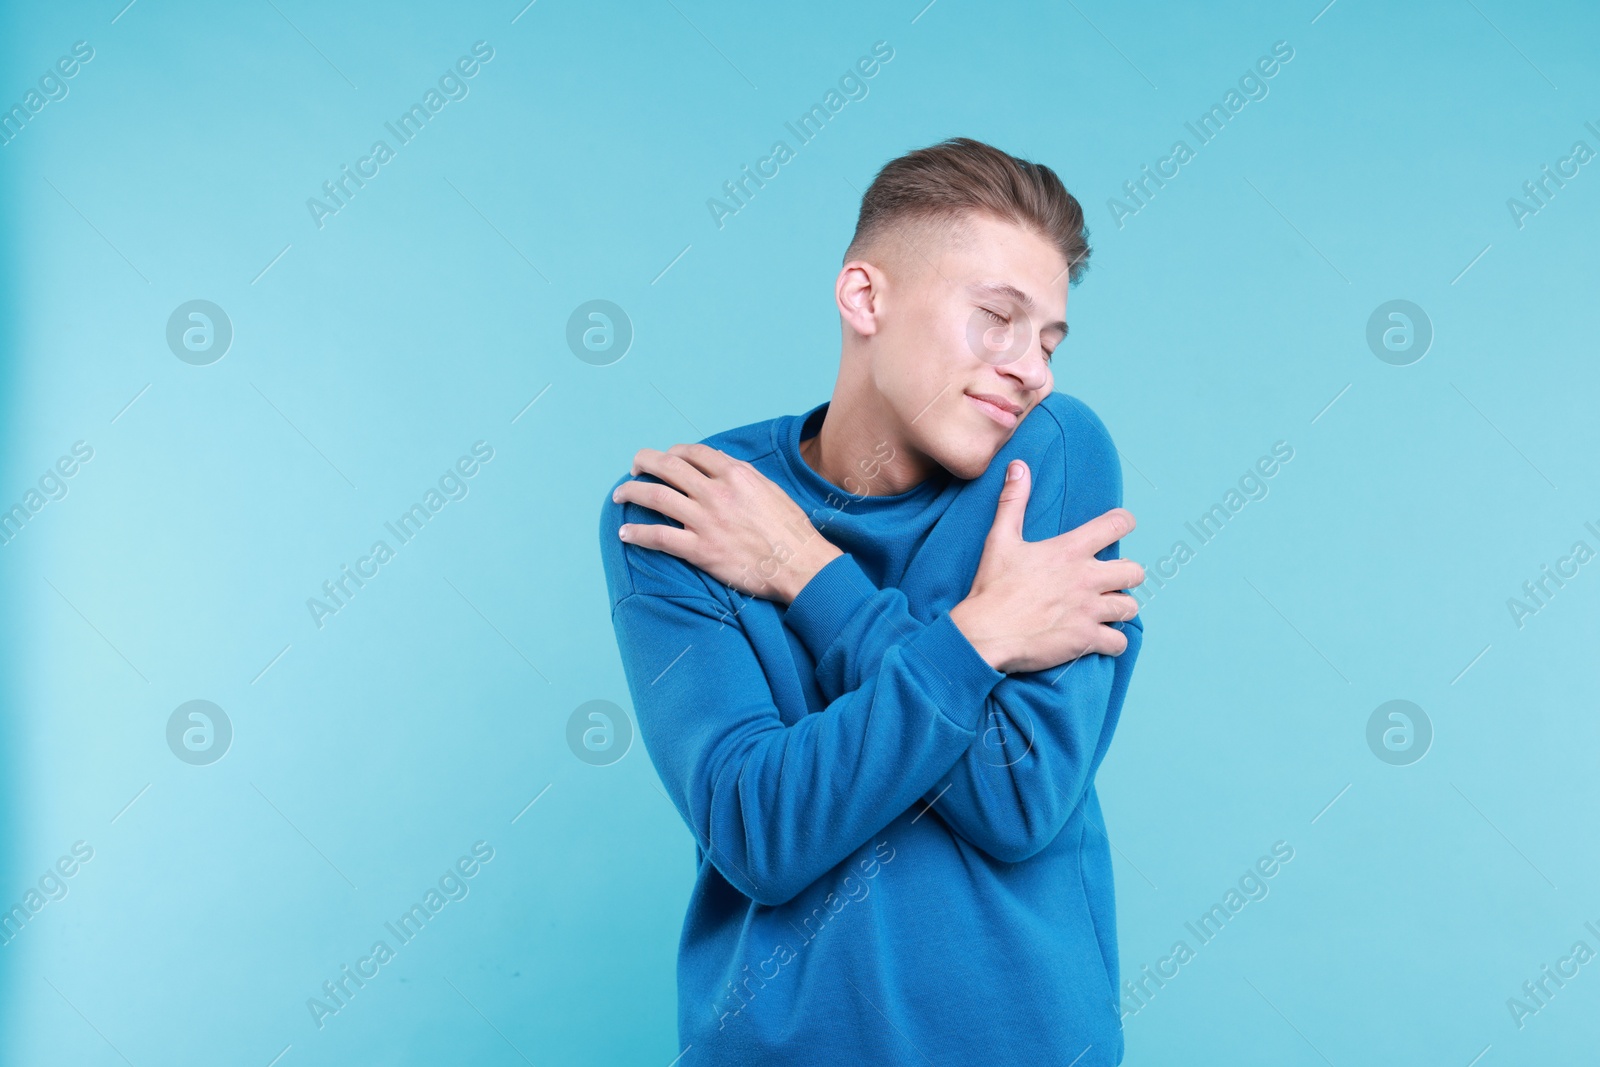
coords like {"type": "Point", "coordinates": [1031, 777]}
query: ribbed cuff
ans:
{"type": "Point", "coordinates": [828, 601]}
{"type": "Point", "coordinates": [958, 678]}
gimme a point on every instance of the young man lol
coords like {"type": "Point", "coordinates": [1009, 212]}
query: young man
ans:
{"type": "Point", "coordinates": [877, 652]}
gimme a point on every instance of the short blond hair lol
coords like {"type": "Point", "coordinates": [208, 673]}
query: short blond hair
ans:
{"type": "Point", "coordinates": [933, 189]}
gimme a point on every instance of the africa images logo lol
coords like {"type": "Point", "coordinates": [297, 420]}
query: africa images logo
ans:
{"type": "Point", "coordinates": [199, 733]}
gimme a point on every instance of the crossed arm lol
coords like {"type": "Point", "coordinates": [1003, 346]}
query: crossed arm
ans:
{"type": "Point", "coordinates": [775, 806]}
{"type": "Point", "coordinates": [1041, 735]}
{"type": "Point", "coordinates": [912, 711]}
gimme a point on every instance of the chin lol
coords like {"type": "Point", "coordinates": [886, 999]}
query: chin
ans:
{"type": "Point", "coordinates": [963, 449]}
{"type": "Point", "coordinates": [970, 462]}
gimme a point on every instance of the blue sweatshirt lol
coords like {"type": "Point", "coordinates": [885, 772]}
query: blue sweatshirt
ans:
{"type": "Point", "coordinates": [900, 854]}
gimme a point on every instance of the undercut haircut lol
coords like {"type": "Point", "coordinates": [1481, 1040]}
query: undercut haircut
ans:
{"type": "Point", "coordinates": [929, 192]}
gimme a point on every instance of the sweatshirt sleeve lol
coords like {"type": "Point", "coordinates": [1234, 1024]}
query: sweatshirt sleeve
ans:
{"type": "Point", "coordinates": [1042, 735]}
{"type": "Point", "coordinates": [774, 805]}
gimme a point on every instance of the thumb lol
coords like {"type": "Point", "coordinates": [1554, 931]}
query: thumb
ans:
{"type": "Point", "coordinates": [1013, 505]}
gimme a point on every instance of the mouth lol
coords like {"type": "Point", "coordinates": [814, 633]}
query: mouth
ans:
{"type": "Point", "coordinates": [997, 408]}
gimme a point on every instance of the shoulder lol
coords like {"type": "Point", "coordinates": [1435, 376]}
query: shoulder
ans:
{"type": "Point", "coordinates": [1091, 462]}
{"type": "Point", "coordinates": [631, 569]}
{"type": "Point", "coordinates": [1077, 424]}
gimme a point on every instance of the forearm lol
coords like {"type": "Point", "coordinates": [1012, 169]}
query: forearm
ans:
{"type": "Point", "coordinates": [1042, 734]}
{"type": "Point", "coordinates": [776, 806]}
{"type": "Point", "coordinates": [1036, 755]}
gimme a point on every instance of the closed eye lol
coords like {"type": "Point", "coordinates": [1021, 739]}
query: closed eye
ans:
{"type": "Point", "coordinates": [1001, 320]}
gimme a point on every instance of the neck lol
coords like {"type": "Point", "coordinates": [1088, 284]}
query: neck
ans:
{"type": "Point", "coordinates": [862, 449]}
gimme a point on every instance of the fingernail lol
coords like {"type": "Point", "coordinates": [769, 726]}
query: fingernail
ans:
{"type": "Point", "coordinates": [1013, 471]}
{"type": "Point", "coordinates": [615, 492]}
{"type": "Point", "coordinates": [622, 532]}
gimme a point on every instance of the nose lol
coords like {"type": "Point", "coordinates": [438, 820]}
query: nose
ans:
{"type": "Point", "coordinates": [1031, 370]}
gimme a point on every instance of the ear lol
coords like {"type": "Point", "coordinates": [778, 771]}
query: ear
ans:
{"type": "Point", "coordinates": [858, 292]}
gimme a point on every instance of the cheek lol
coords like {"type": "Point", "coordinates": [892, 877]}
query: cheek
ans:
{"type": "Point", "coordinates": [917, 369]}
{"type": "Point", "coordinates": [950, 339]}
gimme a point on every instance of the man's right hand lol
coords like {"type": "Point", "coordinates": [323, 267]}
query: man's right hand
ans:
{"type": "Point", "coordinates": [1038, 604]}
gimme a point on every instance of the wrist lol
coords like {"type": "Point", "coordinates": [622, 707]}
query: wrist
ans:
{"type": "Point", "coordinates": [970, 620]}
{"type": "Point", "coordinates": [804, 565]}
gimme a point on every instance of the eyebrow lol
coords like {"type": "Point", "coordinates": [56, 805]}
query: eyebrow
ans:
{"type": "Point", "coordinates": [1005, 289]}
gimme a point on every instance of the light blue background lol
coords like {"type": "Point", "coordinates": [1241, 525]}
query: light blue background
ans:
{"type": "Point", "coordinates": [1223, 317]}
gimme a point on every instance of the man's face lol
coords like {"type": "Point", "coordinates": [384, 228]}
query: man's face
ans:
{"type": "Point", "coordinates": [966, 320]}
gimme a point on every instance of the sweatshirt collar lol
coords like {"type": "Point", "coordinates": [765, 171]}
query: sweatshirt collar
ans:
{"type": "Point", "coordinates": [820, 492]}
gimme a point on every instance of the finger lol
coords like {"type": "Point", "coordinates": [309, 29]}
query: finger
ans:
{"type": "Point", "coordinates": [661, 498]}
{"type": "Point", "coordinates": [659, 536]}
{"type": "Point", "coordinates": [1013, 503]}
{"type": "Point", "coordinates": [1106, 640]}
{"type": "Point", "coordinates": [709, 461]}
{"type": "Point", "coordinates": [1120, 574]}
{"type": "Point", "coordinates": [1110, 641]}
{"type": "Point", "coordinates": [1102, 530]}
{"type": "Point", "coordinates": [1117, 607]}
{"type": "Point", "coordinates": [670, 468]}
